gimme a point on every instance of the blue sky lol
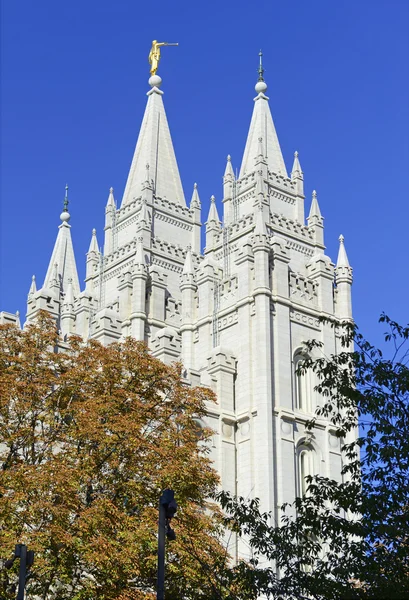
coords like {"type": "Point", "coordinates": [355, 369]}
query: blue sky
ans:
{"type": "Point", "coordinates": [74, 78]}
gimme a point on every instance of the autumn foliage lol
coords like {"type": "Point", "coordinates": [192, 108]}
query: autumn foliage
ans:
{"type": "Point", "coordinates": [89, 437]}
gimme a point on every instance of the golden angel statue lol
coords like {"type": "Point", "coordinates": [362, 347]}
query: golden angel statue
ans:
{"type": "Point", "coordinates": [154, 54]}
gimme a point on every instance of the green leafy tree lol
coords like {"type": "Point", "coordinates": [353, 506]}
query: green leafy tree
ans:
{"type": "Point", "coordinates": [89, 438]}
{"type": "Point", "coordinates": [348, 539]}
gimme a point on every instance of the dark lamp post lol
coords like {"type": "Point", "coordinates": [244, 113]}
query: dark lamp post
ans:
{"type": "Point", "coordinates": [26, 560]}
{"type": "Point", "coordinates": [167, 510]}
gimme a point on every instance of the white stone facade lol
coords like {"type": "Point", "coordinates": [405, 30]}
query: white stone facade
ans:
{"type": "Point", "coordinates": [236, 315]}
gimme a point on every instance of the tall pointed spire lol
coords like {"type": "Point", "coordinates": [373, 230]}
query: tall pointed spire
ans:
{"type": "Point", "coordinates": [342, 254]}
{"type": "Point", "coordinates": [262, 126]}
{"type": "Point", "coordinates": [63, 255]}
{"type": "Point", "coordinates": [154, 148]}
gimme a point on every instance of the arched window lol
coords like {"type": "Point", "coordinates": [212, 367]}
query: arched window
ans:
{"type": "Point", "coordinates": [305, 468]}
{"type": "Point", "coordinates": [304, 385]}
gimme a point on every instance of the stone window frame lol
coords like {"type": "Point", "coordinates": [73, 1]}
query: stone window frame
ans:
{"type": "Point", "coordinates": [304, 402]}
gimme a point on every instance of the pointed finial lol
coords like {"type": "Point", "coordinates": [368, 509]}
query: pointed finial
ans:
{"type": "Point", "coordinates": [212, 199]}
{"type": "Point", "coordinates": [111, 190]}
{"type": "Point", "coordinates": [261, 85]}
{"type": "Point", "coordinates": [314, 195]}
{"type": "Point", "coordinates": [195, 186]}
{"type": "Point", "coordinates": [94, 232]}
{"type": "Point", "coordinates": [341, 238]}
{"type": "Point", "coordinates": [65, 215]}
{"type": "Point", "coordinates": [296, 154]}
{"type": "Point", "coordinates": [260, 67]}
{"type": "Point", "coordinates": [66, 198]}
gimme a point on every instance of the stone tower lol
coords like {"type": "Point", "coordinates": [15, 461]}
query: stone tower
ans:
{"type": "Point", "coordinates": [236, 315]}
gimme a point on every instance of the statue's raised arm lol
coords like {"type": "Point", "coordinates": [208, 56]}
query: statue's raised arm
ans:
{"type": "Point", "coordinates": [154, 54]}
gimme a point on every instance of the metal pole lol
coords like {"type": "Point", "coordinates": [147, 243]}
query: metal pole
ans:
{"type": "Point", "coordinates": [22, 553]}
{"type": "Point", "coordinates": [160, 588]}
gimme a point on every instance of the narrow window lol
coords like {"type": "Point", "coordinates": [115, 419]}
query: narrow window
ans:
{"type": "Point", "coordinates": [306, 468]}
{"type": "Point", "coordinates": [304, 386]}
{"type": "Point", "coordinates": [301, 385]}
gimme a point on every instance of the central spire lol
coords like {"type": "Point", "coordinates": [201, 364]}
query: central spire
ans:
{"type": "Point", "coordinates": [262, 126]}
{"type": "Point", "coordinates": [154, 148]}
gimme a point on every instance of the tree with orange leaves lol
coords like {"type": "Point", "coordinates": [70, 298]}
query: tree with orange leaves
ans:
{"type": "Point", "coordinates": [88, 439]}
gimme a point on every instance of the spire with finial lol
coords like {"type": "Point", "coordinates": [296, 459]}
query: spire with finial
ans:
{"type": "Point", "coordinates": [228, 172]}
{"type": "Point", "coordinates": [262, 125]}
{"type": "Point", "coordinates": [213, 214]}
{"type": "Point", "coordinates": [315, 222]}
{"type": "Point", "coordinates": [343, 278]}
{"type": "Point", "coordinates": [111, 199]}
{"type": "Point", "coordinates": [93, 246]}
{"type": "Point", "coordinates": [154, 146]}
{"type": "Point", "coordinates": [195, 201]}
{"type": "Point", "coordinates": [296, 170]}
{"type": "Point", "coordinates": [33, 286]}
{"type": "Point", "coordinates": [63, 256]}
{"type": "Point", "coordinates": [315, 209]}
{"type": "Point", "coordinates": [342, 254]}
